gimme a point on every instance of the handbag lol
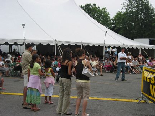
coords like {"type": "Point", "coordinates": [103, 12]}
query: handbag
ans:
{"type": "Point", "coordinates": [87, 72]}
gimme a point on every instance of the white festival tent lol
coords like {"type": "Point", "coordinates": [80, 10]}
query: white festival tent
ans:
{"type": "Point", "coordinates": [11, 19]}
{"type": "Point", "coordinates": [55, 21]}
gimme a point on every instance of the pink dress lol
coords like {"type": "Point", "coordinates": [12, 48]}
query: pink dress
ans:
{"type": "Point", "coordinates": [49, 78]}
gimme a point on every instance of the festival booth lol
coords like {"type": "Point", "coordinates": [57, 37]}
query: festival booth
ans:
{"type": "Point", "coordinates": [55, 22]}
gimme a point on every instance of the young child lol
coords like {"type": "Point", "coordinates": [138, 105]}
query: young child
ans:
{"type": "Point", "coordinates": [34, 85]}
{"type": "Point", "coordinates": [49, 81]}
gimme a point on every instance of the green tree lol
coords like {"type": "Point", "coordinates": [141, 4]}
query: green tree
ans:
{"type": "Point", "coordinates": [137, 20]}
{"type": "Point", "coordinates": [99, 14]}
{"type": "Point", "coordinates": [118, 24]}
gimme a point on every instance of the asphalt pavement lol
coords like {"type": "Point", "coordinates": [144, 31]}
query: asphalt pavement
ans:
{"type": "Point", "coordinates": [107, 98]}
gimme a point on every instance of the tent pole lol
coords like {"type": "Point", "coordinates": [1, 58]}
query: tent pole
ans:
{"type": "Point", "coordinates": [24, 45]}
{"type": "Point", "coordinates": [104, 50]}
{"type": "Point", "coordinates": [104, 46]}
{"type": "Point", "coordinates": [10, 48]}
{"type": "Point", "coordinates": [55, 48]}
{"type": "Point", "coordinates": [81, 45]}
{"type": "Point", "coordinates": [23, 25]}
{"type": "Point", "coordinates": [140, 50]}
{"type": "Point", "coordinates": [20, 49]}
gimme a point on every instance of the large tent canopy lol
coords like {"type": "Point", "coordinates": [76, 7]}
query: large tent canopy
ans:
{"type": "Point", "coordinates": [55, 21]}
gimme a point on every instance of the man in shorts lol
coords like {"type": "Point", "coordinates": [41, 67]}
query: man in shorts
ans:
{"type": "Point", "coordinates": [26, 59]}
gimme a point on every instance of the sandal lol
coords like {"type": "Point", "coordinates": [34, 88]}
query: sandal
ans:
{"type": "Point", "coordinates": [26, 106]}
{"type": "Point", "coordinates": [86, 114]}
{"type": "Point", "coordinates": [32, 107]}
{"type": "Point", "coordinates": [36, 109]}
{"type": "Point", "coordinates": [50, 102]}
{"type": "Point", "coordinates": [46, 102]}
{"type": "Point", "coordinates": [68, 113]}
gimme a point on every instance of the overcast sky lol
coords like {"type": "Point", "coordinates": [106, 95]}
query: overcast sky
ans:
{"type": "Point", "coordinates": [113, 6]}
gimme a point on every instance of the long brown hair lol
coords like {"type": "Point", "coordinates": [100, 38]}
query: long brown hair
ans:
{"type": "Point", "coordinates": [66, 55]}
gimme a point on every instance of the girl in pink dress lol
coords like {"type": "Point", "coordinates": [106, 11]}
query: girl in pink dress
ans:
{"type": "Point", "coordinates": [49, 81]}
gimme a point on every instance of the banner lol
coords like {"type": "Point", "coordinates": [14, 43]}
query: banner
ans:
{"type": "Point", "coordinates": [148, 83]}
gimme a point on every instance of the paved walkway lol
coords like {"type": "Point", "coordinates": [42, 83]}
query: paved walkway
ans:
{"type": "Point", "coordinates": [108, 98]}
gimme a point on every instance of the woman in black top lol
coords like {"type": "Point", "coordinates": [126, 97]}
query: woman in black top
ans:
{"type": "Point", "coordinates": [82, 81]}
{"type": "Point", "coordinates": [65, 83]}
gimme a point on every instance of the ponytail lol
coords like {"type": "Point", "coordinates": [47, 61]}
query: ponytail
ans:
{"type": "Point", "coordinates": [31, 64]}
{"type": "Point", "coordinates": [34, 57]}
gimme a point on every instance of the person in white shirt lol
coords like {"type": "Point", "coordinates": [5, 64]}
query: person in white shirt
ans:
{"type": "Point", "coordinates": [129, 65]}
{"type": "Point", "coordinates": [121, 64]}
{"type": "Point", "coordinates": [96, 65]}
{"type": "Point", "coordinates": [129, 56]}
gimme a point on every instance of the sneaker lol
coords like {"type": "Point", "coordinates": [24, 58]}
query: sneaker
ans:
{"type": "Point", "coordinates": [67, 113]}
{"type": "Point", "coordinates": [116, 79]}
{"type": "Point", "coordinates": [96, 74]}
{"type": "Point", "coordinates": [91, 74]}
{"type": "Point", "coordinates": [124, 80]}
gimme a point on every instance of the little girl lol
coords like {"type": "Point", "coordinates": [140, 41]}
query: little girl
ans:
{"type": "Point", "coordinates": [49, 81]}
{"type": "Point", "coordinates": [34, 85]}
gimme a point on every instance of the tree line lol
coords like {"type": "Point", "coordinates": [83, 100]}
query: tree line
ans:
{"type": "Point", "coordinates": [135, 20]}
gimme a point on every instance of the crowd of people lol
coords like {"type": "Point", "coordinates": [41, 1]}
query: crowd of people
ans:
{"type": "Point", "coordinates": [10, 65]}
{"type": "Point", "coordinates": [32, 66]}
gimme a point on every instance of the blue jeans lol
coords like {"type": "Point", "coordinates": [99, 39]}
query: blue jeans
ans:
{"type": "Point", "coordinates": [121, 65]}
{"type": "Point", "coordinates": [127, 68]}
